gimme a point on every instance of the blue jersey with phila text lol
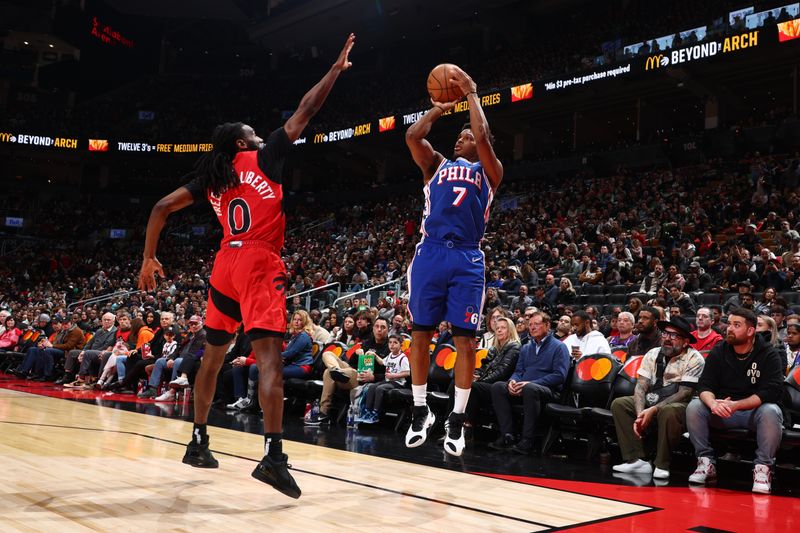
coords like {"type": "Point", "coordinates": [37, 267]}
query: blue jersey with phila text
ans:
{"type": "Point", "coordinates": [457, 201]}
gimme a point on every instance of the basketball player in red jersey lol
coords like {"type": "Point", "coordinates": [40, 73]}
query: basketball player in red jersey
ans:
{"type": "Point", "coordinates": [241, 179]}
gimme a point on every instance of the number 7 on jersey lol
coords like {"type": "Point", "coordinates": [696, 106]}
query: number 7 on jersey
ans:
{"type": "Point", "coordinates": [461, 192]}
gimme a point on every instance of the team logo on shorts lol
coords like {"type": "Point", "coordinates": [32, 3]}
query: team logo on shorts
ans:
{"type": "Point", "coordinates": [470, 316]}
{"type": "Point", "coordinates": [280, 283]}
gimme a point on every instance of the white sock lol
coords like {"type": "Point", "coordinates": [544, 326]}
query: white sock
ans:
{"type": "Point", "coordinates": [420, 394]}
{"type": "Point", "coordinates": [460, 401]}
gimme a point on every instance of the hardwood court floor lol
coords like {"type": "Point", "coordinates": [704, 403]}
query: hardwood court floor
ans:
{"type": "Point", "coordinates": [72, 466]}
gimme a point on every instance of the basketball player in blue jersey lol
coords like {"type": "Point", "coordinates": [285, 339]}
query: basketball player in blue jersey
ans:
{"type": "Point", "coordinates": [446, 277]}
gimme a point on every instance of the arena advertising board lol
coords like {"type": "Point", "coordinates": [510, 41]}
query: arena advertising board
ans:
{"type": "Point", "coordinates": [639, 64]}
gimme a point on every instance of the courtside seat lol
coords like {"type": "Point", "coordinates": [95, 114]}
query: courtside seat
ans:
{"type": "Point", "coordinates": [589, 387]}
{"type": "Point", "coordinates": [298, 389]}
{"type": "Point", "coordinates": [312, 387]}
{"type": "Point", "coordinates": [624, 385]}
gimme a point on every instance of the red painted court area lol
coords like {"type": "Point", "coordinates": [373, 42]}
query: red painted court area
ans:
{"type": "Point", "coordinates": [684, 508]}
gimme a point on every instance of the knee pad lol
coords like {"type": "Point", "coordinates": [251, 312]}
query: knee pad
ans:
{"type": "Point", "coordinates": [420, 327]}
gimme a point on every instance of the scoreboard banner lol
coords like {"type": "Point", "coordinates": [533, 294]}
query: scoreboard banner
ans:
{"type": "Point", "coordinates": [526, 91]}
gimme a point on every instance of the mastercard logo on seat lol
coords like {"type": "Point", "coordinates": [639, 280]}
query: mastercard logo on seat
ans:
{"type": "Point", "coordinates": [446, 358]}
{"type": "Point", "coordinates": [98, 145]}
{"type": "Point", "coordinates": [522, 92]}
{"type": "Point", "coordinates": [593, 369]}
{"type": "Point", "coordinates": [335, 349]}
{"type": "Point", "coordinates": [480, 355]}
{"type": "Point", "coordinates": [386, 124]}
{"type": "Point", "coordinates": [631, 367]}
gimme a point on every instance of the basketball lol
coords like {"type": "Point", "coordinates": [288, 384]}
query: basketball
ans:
{"type": "Point", "coordinates": [439, 86]}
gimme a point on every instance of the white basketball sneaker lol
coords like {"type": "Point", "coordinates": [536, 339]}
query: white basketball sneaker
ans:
{"type": "Point", "coordinates": [422, 418]}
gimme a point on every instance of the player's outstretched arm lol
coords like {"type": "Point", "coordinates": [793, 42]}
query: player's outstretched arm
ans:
{"type": "Point", "coordinates": [480, 127]}
{"type": "Point", "coordinates": [426, 158]}
{"type": "Point", "coordinates": [313, 100]}
{"type": "Point", "coordinates": [174, 201]}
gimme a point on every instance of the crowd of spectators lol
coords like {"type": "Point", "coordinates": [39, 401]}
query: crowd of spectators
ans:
{"type": "Point", "coordinates": [262, 95]}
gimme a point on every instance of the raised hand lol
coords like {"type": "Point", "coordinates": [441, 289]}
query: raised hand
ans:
{"type": "Point", "coordinates": [463, 81]}
{"type": "Point", "coordinates": [342, 62]}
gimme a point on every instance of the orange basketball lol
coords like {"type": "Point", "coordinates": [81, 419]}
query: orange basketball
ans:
{"type": "Point", "coordinates": [439, 86]}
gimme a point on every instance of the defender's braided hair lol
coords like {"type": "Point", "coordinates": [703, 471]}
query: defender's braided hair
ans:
{"type": "Point", "coordinates": [215, 169]}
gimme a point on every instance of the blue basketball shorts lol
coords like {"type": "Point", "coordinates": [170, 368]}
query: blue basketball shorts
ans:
{"type": "Point", "coordinates": [446, 282]}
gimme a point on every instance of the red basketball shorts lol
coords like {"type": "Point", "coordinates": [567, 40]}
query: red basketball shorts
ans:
{"type": "Point", "coordinates": [248, 284]}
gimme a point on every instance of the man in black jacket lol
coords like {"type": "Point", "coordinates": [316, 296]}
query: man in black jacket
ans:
{"type": "Point", "coordinates": [740, 387]}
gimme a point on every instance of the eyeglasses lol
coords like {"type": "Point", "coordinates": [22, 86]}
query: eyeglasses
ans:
{"type": "Point", "coordinates": [671, 335]}
{"type": "Point", "coordinates": [194, 323]}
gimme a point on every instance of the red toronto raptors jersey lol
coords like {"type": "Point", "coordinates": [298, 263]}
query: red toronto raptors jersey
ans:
{"type": "Point", "coordinates": [253, 210]}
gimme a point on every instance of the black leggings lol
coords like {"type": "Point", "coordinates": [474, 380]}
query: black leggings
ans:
{"type": "Point", "coordinates": [375, 392]}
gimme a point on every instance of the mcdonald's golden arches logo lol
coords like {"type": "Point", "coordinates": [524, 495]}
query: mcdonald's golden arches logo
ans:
{"type": "Point", "coordinates": [656, 61]}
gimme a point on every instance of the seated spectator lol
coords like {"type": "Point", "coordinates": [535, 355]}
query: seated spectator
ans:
{"type": "Point", "coordinates": [398, 371]}
{"type": "Point", "coordinates": [4, 313]}
{"type": "Point", "coordinates": [120, 349]}
{"type": "Point", "coordinates": [625, 324]}
{"type": "Point", "coordinates": [551, 290]}
{"type": "Point", "coordinates": [647, 334]}
{"type": "Point", "coordinates": [487, 339]}
{"type": "Point", "coordinates": [634, 306]}
{"type": "Point", "coordinates": [511, 282]}
{"type": "Point", "coordinates": [101, 342]}
{"type": "Point", "coordinates": [778, 314]}
{"type": "Point", "coordinates": [585, 340]}
{"type": "Point", "coordinates": [717, 324]}
{"type": "Point", "coordinates": [697, 279]}
{"type": "Point", "coordinates": [399, 326]}
{"type": "Point", "coordinates": [296, 357]}
{"type": "Point", "coordinates": [363, 331]}
{"type": "Point", "coordinates": [11, 334]}
{"type": "Point", "coordinates": [792, 345]}
{"type": "Point", "coordinates": [653, 280]}
{"type": "Point", "coordinates": [681, 299]}
{"type": "Point", "coordinates": [141, 334]}
{"type": "Point", "coordinates": [741, 386]}
{"type": "Point", "coordinates": [742, 273]}
{"type": "Point", "coordinates": [539, 301]}
{"type": "Point", "coordinates": [341, 374]}
{"type": "Point", "coordinates": [666, 381]}
{"type": "Point", "coordinates": [492, 300]}
{"type": "Point", "coordinates": [136, 364]}
{"type": "Point", "coordinates": [521, 327]}
{"type": "Point", "coordinates": [768, 299]}
{"type": "Point", "coordinates": [735, 301]}
{"type": "Point", "coordinates": [566, 293]}
{"type": "Point", "coordinates": [593, 276]}
{"type": "Point", "coordinates": [499, 364]}
{"type": "Point", "coordinates": [767, 330]}
{"type": "Point", "coordinates": [522, 300]}
{"type": "Point", "coordinates": [444, 334]}
{"type": "Point", "coordinates": [706, 337]}
{"type": "Point", "coordinates": [346, 335]}
{"type": "Point", "coordinates": [189, 356]}
{"type": "Point", "coordinates": [674, 277]}
{"type": "Point", "coordinates": [563, 328]}
{"type": "Point", "coordinates": [539, 375]}
{"type": "Point", "coordinates": [774, 276]}
{"type": "Point", "coordinates": [169, 348]}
